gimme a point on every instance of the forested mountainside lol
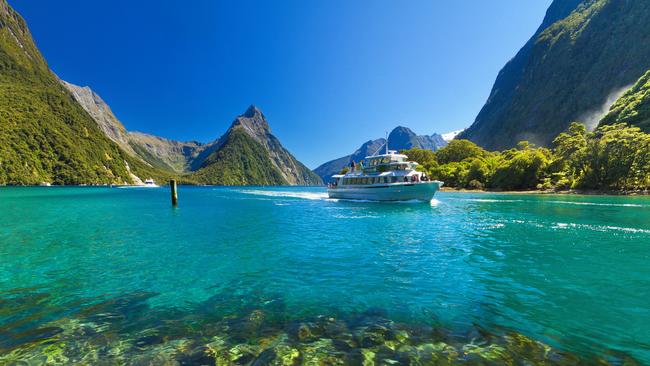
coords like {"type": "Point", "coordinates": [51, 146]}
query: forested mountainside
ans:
{"type": "Point", "coordinates": [45, 135]}
{"type": "Point", "coordinates": [581, 58]}
{"type": "Point", "coordinates": [239, 160]}
{"type": "Point", "coordinates": [633, 107]}
{"type": "Point", "coordinates": [400, 138]}
{"type": "Point", "coordinates": [56, 132]}
{"type": "Point", "coordinates": [249, 154]}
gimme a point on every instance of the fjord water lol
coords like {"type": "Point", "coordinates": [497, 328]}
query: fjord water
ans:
{"type": "Point", "coordinates": [571, 271]}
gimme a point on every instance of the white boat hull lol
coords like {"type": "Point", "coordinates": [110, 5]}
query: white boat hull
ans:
{"type": "Point", "coordinates": [420, 191]}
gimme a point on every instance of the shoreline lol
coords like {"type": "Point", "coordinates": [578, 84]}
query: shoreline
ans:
{"type": "Point", "coordinates": [442, 189]}
{"type": "Point", "coordinates": [550, 192]}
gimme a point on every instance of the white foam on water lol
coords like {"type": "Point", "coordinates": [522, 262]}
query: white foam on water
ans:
{"type": "Point", "coordinates": [598, 204]}
{"type": "Point", "coordinates": [355, 217]}
{"type": "Point", "coordinates": [489, 200]}
{"type": "Point", "coordinates": [286, 194]}
{"type": "Point", "coordinates": [603, 228]}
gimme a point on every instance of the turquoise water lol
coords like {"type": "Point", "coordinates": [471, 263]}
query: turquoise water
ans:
{"type": "Point", "coordinates": [570, 271]}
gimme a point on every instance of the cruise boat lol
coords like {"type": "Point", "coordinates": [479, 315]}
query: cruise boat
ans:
{"type": "Point", "coordinates": [385, 177]}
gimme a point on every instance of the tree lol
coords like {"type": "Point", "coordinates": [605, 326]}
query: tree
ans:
{"type": "Point", "coordinates": [459, 150]}
{"type": "Point", "coordinates": [571, 153]}
{"type": "Point", "coordinates": [521, 169]}
{"type": "Point", "coordinates": [422, 156]}
{"type": "Point", "coordinates": [617, 158]}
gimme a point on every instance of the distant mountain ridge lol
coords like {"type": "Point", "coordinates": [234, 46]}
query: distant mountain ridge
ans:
{"type": "Point", "coordinates": [400, 138]}
{"type": "Point", "coordinates": [582, 55]}
{"type": "Point", "coordinates": [201, 160]}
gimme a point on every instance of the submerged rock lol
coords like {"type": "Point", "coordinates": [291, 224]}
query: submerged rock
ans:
{"type": "Point", "coordinates": [280, 355]}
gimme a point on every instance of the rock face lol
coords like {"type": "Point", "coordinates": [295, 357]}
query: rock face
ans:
{"type": "Point", "coordinates": [45, 135]}
{"type": "Point", "coordinates": [401, 138]}
{"type": "Point", "coordinates": [155, 151]}
{"type": "Point", "coordinates": [249, 154]}
{"type": "Point", "coordinates": [583, 54]}
{"type": "Point", "coordinates": [633, 107]}
{"type": "Point", "coordinates": [101, 113]}
{"type": "Point", "coordinates": [165, 153]}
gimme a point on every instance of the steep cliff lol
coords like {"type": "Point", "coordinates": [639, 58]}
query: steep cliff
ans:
{"type": "Point", "coordinates": [45, 135]}
{"type": "Point", "coordinates": [578, 62]}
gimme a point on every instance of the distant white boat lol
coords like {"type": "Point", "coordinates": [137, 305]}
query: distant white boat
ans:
{"type": "Point", "coordinates": [149, 183]}
{"type": "Point", "coordinates": [45, 184]}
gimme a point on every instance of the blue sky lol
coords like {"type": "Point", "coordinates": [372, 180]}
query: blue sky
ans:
{"type": "Point", "coordinates": [328, 75]}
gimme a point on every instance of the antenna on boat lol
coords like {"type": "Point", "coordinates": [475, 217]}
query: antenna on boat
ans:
{"type": "Point", "coordinates": [386, 142]}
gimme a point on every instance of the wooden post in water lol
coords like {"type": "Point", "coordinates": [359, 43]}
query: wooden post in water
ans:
{"type": "Point", "coordinates": [172, 186]}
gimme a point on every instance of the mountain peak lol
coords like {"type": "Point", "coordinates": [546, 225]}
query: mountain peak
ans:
{"type": "Point", "coordinates": [254, 122]}
{"type": "Point", "coordinates": [401, 132]}
{"type": "Point", "coordinates": [252, 111]}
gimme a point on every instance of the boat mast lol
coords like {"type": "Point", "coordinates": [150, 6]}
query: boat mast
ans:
{"type": "Point", "coordinates": [386, 142]}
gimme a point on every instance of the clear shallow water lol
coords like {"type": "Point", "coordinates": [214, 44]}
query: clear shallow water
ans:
{"type": "Point", "coordinates": [571, 271]}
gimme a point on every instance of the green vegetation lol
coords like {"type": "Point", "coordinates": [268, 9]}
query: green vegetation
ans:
{"type": "Point", "coordinates": [240, 160]}
{"type": "Point", "coordinates": [612, 158]}
{"type": "Point", "coordinates": [633, 107]}
{"type": "Point", "coordinates": [582, 55]}
{"type": "Point", "coordinates": [45, 135]}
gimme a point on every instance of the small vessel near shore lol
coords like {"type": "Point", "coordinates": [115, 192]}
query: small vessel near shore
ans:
{"type": "Point", "coordinates": [149, 183]}
{"type": "Point", "coordinates": [384, 177]}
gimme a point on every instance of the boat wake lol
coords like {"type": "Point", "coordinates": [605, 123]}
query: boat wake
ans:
{"type": "Point", "coordinates": [490, 200]}
{"type": "Point", "coordinates": [604, 228]}
{"type": "Point", "coordinates": [597, 204]}
{"type": "Point", "coordinates": [322, 196]}
{"type": "Point", "coordinates": [286, 194]}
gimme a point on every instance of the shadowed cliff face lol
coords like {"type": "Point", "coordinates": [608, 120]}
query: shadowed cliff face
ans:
{"type": "Point", "coordinates": [582, 53]}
